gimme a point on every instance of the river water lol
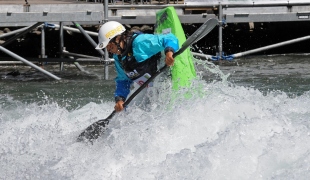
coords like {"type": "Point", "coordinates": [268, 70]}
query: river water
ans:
{"type": "Point", "coordinates": [248, 119]}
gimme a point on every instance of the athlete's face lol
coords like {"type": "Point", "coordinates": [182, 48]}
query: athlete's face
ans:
{"type": "Point", "coordinates": [112, 47]}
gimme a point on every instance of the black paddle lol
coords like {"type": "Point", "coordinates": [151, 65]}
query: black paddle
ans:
{"type": "Point", "coordinates": [93, 131]}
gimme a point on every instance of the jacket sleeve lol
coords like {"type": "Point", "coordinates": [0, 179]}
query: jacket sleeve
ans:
{"type": "Point", "coordinates": [147, 45]}
{"type": "Point", "coordinates": [122, 81]}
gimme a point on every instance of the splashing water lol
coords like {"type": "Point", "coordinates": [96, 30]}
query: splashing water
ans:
{"type": "Point", "coordinates": [227, 132]}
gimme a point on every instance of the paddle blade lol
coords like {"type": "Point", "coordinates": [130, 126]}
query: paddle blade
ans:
{"type": "Point", "coordinates": [93, 131]}
{"type": "Point", "coordinates": [205, 29]}
{"type": "Point", "coordinates": [201, 32]}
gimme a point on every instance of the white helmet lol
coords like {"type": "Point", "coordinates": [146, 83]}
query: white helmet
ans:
{"type": "Point", "coordinates": [108, 31]}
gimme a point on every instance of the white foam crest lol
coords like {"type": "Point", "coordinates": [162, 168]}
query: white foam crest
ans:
{"type": "Point", "coordinates": [39, 137]}
{"type": "Point", "coordinates": [222, 132]}
{"type": "Point", "coordinates": [252, 138]}
{"type": "Point", "coordinates": [232, 132]}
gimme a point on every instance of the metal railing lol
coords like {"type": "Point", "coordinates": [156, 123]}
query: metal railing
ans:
{"type": "Point", "coordinates": [132, 2]}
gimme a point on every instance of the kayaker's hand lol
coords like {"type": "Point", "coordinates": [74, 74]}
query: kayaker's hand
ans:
{"type": "Point", "coordinates": [119, 106]}
{"type": "Point", "coordinates": [169, 58]}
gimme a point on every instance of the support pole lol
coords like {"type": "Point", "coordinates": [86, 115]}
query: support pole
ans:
{"type": "Point", "coordinates": [93, 43]}
{"type": "Point", "coordinates": [106, 54]}
{"type": "Point", "coordinates": [43, 42]}
{"type": "Point", "coordinates": [220, 48]}
{"type": "Point", "coordinates": [21, 34]}
{"type": "Point", "coordinates": [75, 63]}
{"type": "Point", "coordinates": [75, 30]}
{"type": "Point", "coordinates": [89, 39]}
{"type": "Point", "coordinates": [61, 44]}
{"type": "Point", "coordinates": [206, 56]}
{"type": "Point", "coordinates": [270, 46]}
{"type": "Point", "coordinates": [13, 32]}
{"type": "Point", "coordinates": [28, 63]}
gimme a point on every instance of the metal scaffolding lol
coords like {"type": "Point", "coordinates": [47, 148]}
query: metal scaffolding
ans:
{"type": "Point", "coordinates": [141, 12]}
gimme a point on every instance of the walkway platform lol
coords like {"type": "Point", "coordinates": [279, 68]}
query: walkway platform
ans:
{"type": "Point", "coordinates": [20, 13]}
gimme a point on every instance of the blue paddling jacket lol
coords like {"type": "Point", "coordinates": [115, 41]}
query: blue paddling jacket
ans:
{"type": "Point", "coordinates": [144, 47]}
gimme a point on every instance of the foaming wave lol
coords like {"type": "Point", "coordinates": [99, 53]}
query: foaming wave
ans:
{"type": "Point", "coordinates": [223, 132]}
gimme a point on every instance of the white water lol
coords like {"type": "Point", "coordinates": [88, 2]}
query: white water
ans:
{"type": "Point", "coordinates": [231, 132]}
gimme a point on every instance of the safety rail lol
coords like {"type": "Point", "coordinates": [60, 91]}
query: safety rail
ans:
{"type": "Point", "coordinates": [132, 2]}
{"type": "Point", "coordinates": [144, 12]}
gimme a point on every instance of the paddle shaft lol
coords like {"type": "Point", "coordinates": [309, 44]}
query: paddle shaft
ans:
{"type": "Point", "coordinates": [142, 87]}
{"type": "Point", "coordinates": [202, 31]}
{"type": "Point", "coordinates": [96, 129]}
{"type": "Point", "coordinates": [147, 82]}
